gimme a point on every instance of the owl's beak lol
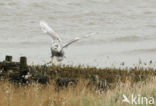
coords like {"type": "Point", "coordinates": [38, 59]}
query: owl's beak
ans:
{"type": "Point", "coordinates": [59, 49]}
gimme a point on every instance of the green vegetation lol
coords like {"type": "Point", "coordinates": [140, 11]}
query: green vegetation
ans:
{"type": "Point", "coordinates": [60, 85]}
{"type": "Point", "coordinates": [64, 74]}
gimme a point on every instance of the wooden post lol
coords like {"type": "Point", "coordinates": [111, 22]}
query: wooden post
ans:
{"type": "Point", "coordinates": [23, 63]}
{"type": "Point", "coordinates": [8, 58]}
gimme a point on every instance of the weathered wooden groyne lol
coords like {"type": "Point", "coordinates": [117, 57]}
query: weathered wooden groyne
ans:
{"type": "Point", "coordinates": [14, 71]}
{"type": "Point", "coordinates": [8, 64]}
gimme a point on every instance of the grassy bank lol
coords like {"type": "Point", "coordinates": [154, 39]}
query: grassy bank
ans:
{"type": "Point", "coordinates": [58, 85]}
{"type": "Point", "coordinates": [81, 95]}
{"type": "Point", "coordinates": [64, 74]}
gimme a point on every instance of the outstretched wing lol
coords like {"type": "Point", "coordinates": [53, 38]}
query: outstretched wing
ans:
{"type": "Point", "coordinates": [70, 42]}
{"type": "Point", "coordinates": [48, 30]}
{"type": "Point", "coordinates": [76, 39]}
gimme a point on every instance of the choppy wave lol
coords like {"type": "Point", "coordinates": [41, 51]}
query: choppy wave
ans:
{"type": "Point", "coordinates": [22, 44]}
{"type": "Point", "coordinates": [131, 38]}
{"type": "Point", "coordinates": [140, 51]}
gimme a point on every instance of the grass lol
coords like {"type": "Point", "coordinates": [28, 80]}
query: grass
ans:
{"type": "Point", "coordinates": [40, 95]}
{"type": "Point", "coordinates": [73, 85]}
